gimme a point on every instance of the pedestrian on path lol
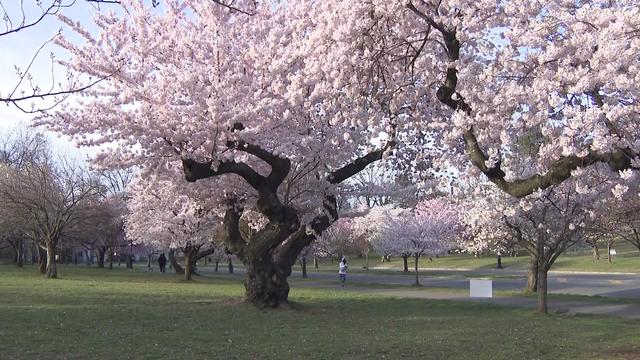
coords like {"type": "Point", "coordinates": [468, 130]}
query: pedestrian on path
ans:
{"type": "Point", "coordinates": [342, 270]}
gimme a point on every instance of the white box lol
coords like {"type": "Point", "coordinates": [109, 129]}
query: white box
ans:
{"type": "Point", "coordinates": [480, 288]}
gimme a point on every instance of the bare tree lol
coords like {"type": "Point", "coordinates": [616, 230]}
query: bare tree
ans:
{"type": "Point", "coordinates": [51, 198]}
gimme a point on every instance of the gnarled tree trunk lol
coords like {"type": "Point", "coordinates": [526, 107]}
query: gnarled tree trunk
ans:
{"type": "Point", "coordinates": [405, 263]}
{"type": "Point", "coordinates": [266, 283]}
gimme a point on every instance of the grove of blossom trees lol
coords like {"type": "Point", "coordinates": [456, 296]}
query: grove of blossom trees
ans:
{"type": "Point", "coordinates": [249, 98]}
{"type": "Point", "coordinates": [429, 230]}
{"type": "Point", "coordinates": [163, 218]}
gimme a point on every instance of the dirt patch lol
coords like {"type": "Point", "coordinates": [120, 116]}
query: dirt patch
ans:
{"type": "Point", "coordinates": [619, 354]}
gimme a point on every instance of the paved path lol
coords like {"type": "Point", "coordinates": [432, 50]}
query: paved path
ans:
{"type": "Point", "coordinates": [612, 285]}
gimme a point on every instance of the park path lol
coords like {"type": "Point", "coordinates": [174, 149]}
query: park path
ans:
{"type": "Point", "coordinates": [457, 290]}
{"type": "Point", "coordinates": [596, 307]}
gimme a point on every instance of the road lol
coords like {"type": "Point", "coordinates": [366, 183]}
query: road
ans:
{"type": "Point", "coordinates": [612, 285]}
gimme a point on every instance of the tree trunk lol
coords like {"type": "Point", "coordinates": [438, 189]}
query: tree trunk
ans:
{"type": "Point", "coordinates": [405, 260]}
{"type": "Point", "coordinates": [20, 252]}
{"type": "Point", "coordinates": [217, 263]}
{"type": "Point", "coordinates": [303, 262]}
{"type": "Point", "coordinates": [52, 266]}
{"type": "Point", "coordinates": [230, 266]}
{"type": "Point", "coordinates": [366, 261]}
{"type": "Point", "coordinates": [174, 263]}
{"type": "Point", "coordinates": [499, 262]}
{"type": "Point", "coordinates": [609, 252]}
{"type": "Point", "coordinates": [110, 259]}
{"type": "Point", "coordinates": [532, 275]}
{"type": "Point", "coordinates": [416, 268]}
{"type": "Point", "coordinates": [266, 284]}
{"type": "Point", "coordinates": [188, 265]}
{"type": "Point", "coordinates": [14, 249]}
{"type": "Point", "coordinates": [596, 252]}
{"type": "Point", "coordinates": [315, 263]}
{"type": "Point", "coordinates": [542, 290]}
{"type": "Point", "coordinates": [101, 254]}
{"type": "Point", "coordinates": [42, 260]}
{"type": "Point", "coordinates": [130, 261]}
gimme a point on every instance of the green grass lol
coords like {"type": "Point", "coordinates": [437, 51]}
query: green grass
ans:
{"type": "Point", "coordinates": [100, 314]}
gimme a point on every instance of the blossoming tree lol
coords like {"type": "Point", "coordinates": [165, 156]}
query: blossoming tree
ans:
{"type": "Point", "coordinates": [161, 217]}
{"type": "Point", "coordinates": [429, 229]}
{"type": "Point", "coordinates": [229, 97]}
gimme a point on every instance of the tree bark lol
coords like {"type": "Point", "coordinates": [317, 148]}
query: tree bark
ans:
{"type": "Point", "coordinates": [405, 260]}
{"type": "Point", "coordinates": [532, 275]}
{"type": "Point", "coordinates": [20, 252]}
{"type": "Point", "coordinates": [52, 268]}
{"type": "Point", "coordinates": [230, 266]}
{"type": "Point", "coordinates": [188, 265]}
{"type": "Point", "coordinates": [42, 260]}
{"type": "Point", "coordinates": [174, 263]}
{"type": "Point", "coordinates": [499, 262]}
{"type": "Point", "coordinates": [542, 290]}
{"type": "Point", "coordinates": [315, 263]}
{"type": "Point", "coordinates": [217, 264]}
{"type": "Point", "coordinates": [129, 261]}
{"type": "Point", "coordinates": [266, 284]}
{"type": "Point", "coordinates": [102, 251]}
{"type": "Point", "coordinates": [110, 259]}
{"type": "Point", "coordinates": [596, 252]}
{"type": "Point", "coordinates": [303, 263]}
{"type": "Point", "coordinates": [366, 261]}
{"type": "Point", "coordinates": [416, 268]}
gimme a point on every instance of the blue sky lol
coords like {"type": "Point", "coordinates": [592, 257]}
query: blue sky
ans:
{"type": "Point", "coordinates": [17, 49]}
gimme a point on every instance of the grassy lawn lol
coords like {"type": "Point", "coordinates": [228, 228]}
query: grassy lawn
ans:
{"type": "Point", "coordinates": [627, 260]}
{"type": "Point", "coordinates": [93, 313]}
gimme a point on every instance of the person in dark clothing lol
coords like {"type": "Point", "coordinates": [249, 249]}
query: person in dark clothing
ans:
{"type": "Point", "coordinates": [162, 262]}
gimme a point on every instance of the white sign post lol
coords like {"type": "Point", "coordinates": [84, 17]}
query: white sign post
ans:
{"type": "Point", "coordinates": [481, 288]}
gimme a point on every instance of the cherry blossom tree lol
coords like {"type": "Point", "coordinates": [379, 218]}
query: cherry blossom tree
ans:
{"type": "Point", "coordinates": [247, 106]}
{"type": "Point", "coordinates": [161, 217]}
{"type": "Point", "coordinates": [623, 219]}
{"type": "Point", "coordinates": [546, 223]}
{"type": "Point", "coordinates": [428, 229]}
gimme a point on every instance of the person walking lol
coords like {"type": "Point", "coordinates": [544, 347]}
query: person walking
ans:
{"type": "Point", "coordinates": [162, 262]}
{"type": "Point", "coordinates": [342, 270]}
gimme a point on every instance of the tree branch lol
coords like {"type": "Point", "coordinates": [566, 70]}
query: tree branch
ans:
{"type": "Point", "coordinates": [194, 171]}
{"type": "Point", "coordinates": [559, 170]}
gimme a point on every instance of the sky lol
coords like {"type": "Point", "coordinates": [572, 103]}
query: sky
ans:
{"type": "Point", "coordinates": [18, 49]}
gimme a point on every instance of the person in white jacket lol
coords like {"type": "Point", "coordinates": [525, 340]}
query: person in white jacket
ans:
{"type": "Point", "coordinates": [342, 270]}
